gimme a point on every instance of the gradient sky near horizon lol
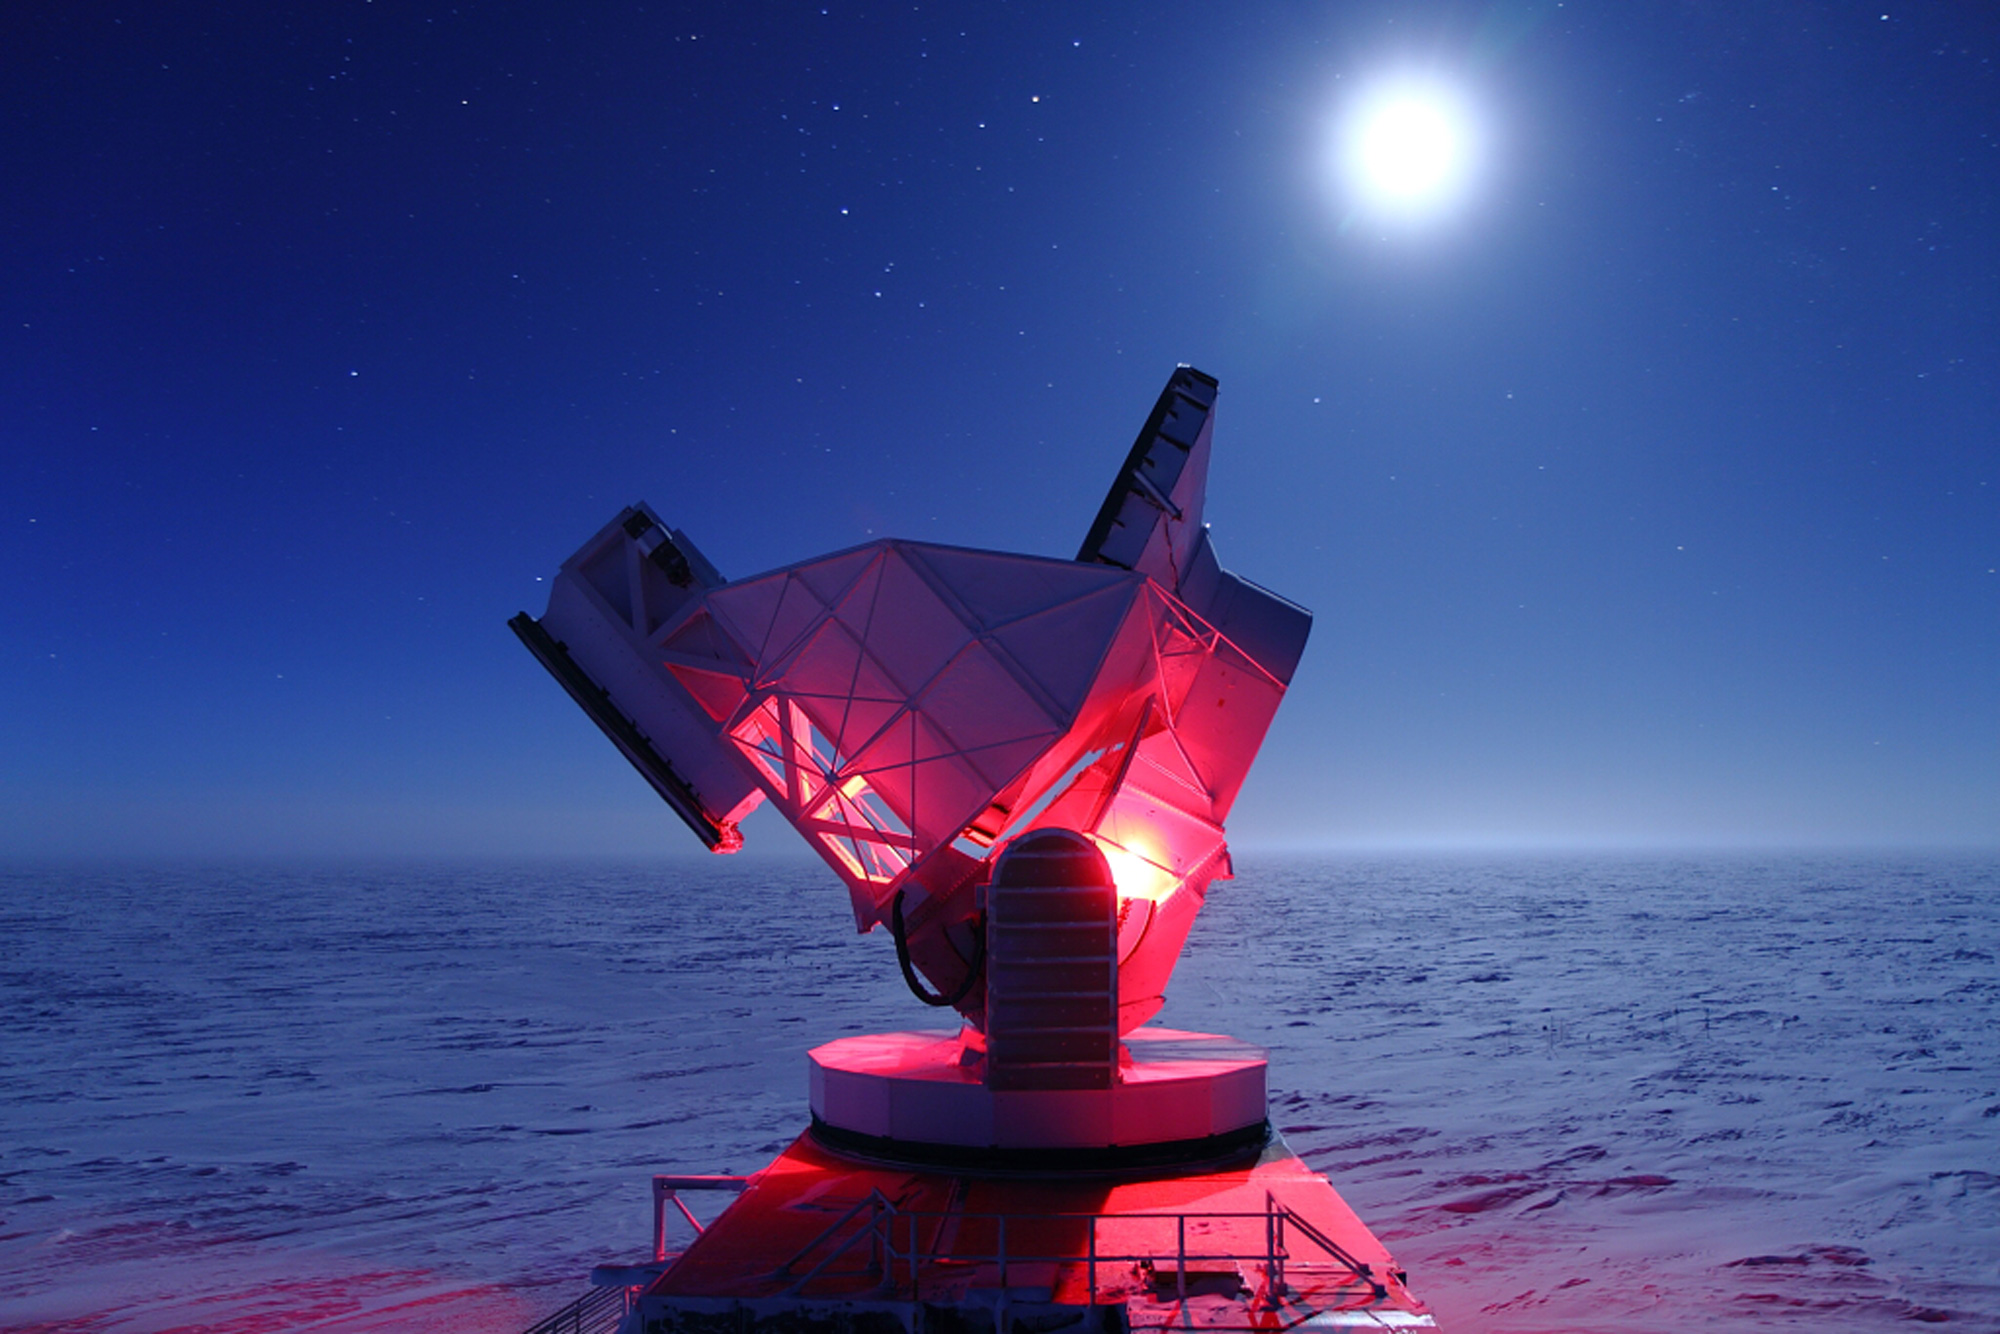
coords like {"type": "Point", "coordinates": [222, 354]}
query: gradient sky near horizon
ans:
{"type": "Point", "coordinates": [1648, 494]}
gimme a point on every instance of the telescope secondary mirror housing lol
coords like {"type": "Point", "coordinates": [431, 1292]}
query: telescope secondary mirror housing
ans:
{"type": "Point", "coordinates": [914, 709]}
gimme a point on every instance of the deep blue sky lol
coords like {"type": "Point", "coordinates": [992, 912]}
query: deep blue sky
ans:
{"type": "Point", "coordinates": [1652, 496]}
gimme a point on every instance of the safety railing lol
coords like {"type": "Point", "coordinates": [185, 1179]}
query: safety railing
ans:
{"type": "Point", "coordinates": [666, 1191]}
{"type": "Point", "coordinates": [898, 1254]}
{"type": "Point", "coordinates": [875, 1231]}
{"type": "Point", "coordinates": [603, 1308]}
{"type": "Point", "coordinates": [598, 1311]}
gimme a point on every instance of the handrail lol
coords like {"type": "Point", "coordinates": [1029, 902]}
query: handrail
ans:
{"type": "Point", "coordinates": [1284, 1215]}
{"type": "Point", "coordinates": [879, 1207]}
{"type": "Point", "coordinates": [666, 1189]}
{"type": "Point", "coordinates": [883, 1217]}
{"type": "Point", "coordinates": [885, 1220]}
{"type": "Point", "coordinates": [596, 1312]}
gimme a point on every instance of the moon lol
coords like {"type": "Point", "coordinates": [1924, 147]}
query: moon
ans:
{"type": "Point", "coordinates": [1408, 148]}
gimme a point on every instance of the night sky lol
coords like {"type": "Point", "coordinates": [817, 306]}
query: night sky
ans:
{"type": "Point", "coordinates": [1646, 491]}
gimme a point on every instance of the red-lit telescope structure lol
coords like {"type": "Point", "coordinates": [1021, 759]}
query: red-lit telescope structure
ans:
{"type": "Point", "coordinates": [1020, 765]}
{"type": "Point", "coordinates": [911, 707]}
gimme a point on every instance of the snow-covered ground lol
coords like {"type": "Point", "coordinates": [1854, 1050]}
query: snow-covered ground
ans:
{"type": "Point", "coordinates": [1572, 1094]}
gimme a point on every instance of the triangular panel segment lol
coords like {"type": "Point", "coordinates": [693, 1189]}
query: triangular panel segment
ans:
{"type": "Point", "coordinates": [1162, 768]}
{"type": "Point", "coordinates": [999, 764]}
{"type": "Point", "coordinates": [832, 577]}
{"type": "Point", "coordinates": [827, 663]}
{"type": "Point", "coordinates": [910, 632]}
{"type": "Point", "coordinates": [1062, 649]}
{"type": "Point", "coordinates": [997, 588]}
{"type": "Point", "coordinates": [747, 609]}
{"type": "Point", "coordinates": [718, 693]}
{"type": "Point", "coordinates": [799, 612]}
{"type": "Point", "coordinates": [700, 637]}
{"type": "Point", "coordinates": [976, 701]}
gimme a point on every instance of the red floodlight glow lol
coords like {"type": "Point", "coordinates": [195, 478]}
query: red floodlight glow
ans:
{"type": "Point", "coordinates": [1137, 874]}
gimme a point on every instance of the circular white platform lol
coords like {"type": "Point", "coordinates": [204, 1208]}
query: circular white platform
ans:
{"type": "Point", "coordinates": [925, 1090]}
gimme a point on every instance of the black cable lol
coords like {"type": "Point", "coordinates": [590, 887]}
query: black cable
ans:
{"type": "Point", "coordinates": [917, 989]}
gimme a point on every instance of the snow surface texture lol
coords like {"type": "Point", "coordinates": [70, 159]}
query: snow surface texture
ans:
{"type": "Point", "coordinates": [1570, 1094]}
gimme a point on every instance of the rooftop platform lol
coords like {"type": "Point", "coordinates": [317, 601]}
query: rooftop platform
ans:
{"type": "Point", "coordinates": [820, 1241]}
